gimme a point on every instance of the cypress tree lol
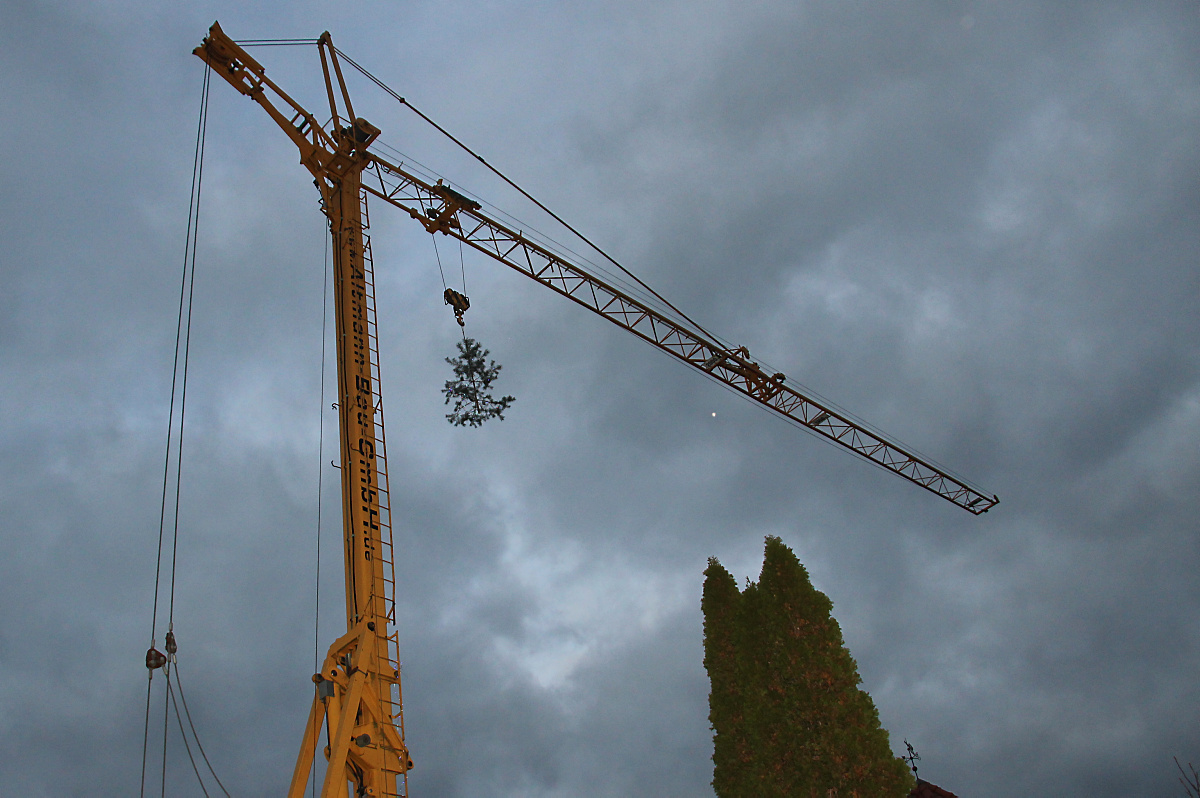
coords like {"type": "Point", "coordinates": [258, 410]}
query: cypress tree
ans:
{"type": "Point", "coordinates": [720, 604]}
{"type": "Point", "coordinates": [787, 715]}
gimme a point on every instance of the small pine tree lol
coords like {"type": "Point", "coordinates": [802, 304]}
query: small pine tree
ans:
{"type": "Point", "coordinates": [787, 715]}
{"type": "Point", "coordinates": [471, 386]}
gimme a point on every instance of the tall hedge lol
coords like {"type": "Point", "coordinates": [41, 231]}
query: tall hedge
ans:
{"type": "Point", "coordinates": [788, 718]}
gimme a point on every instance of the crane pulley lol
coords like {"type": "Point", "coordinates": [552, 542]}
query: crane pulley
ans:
{"type": "Point", "coordinates": [357, 691]}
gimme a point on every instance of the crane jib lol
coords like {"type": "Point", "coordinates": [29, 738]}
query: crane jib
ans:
{"type": "Point", "coordinates": [393, 184]}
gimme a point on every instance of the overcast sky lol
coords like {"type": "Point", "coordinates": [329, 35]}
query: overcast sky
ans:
{"type": "Point", "coordinates": [974, 224]}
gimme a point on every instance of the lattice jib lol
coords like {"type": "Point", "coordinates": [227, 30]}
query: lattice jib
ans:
{"type": "Point", "coordinates": [532, 259]}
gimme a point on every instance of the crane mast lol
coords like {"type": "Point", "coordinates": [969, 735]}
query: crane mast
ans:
{"type": "Point", "coordinates": [357, 692]}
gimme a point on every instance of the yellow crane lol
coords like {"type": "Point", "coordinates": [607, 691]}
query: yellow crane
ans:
{"type": "Point", "coordinates": [357, 696]}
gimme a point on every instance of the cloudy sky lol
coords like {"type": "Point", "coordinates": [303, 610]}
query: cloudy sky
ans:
{"type": "Point", "coordinates": [974, 224]}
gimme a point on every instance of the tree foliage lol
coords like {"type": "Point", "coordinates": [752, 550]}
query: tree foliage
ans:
{"type": "Point", "coordinates": [471, 387]}
{"type": "Point", "coordinates": [731, 756]}
{"type": "Point", "coordinates": [787, 715]}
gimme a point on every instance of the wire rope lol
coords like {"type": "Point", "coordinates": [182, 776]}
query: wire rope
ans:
{"type": "Point", "coordinates": [275, 42]}
{"type": "Point", "coordinates": [616, 278]}
{"type": "Point", "coordinates": [439, 261]}
{"type": "Point", "coordinates": [321, 465]}
{"type": "Point", "coordinates": [462, 265]}
{"type": "Point", "coordinates": [195, 736]}
{"type": "Point", "coordinates": [146, 732]}
{"type": "Point", "coordinates": [187, 346]}
{"type": "Point", "coordinates": [166, 728]}
{"type": "Point", "coordinates": [846, 414]}
{"type": "Point", "coordinates": [321, 451]}
{"type": "Point", "coordinates": [186, 747]}
{"type": "Point", "coordinates": [546, 241]}
{"type": "Point", "coordinates": [179, 384]}
{"type": "Point", "coordinates": [192, 227]}
{"type": "Point", "coordinates": [522, 191]}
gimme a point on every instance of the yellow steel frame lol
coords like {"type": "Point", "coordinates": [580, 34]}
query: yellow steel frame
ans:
{"type": "Point", "coordinates": [357, 694]}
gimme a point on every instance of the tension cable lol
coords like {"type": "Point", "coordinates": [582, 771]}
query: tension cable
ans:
{"type": "Point", "coordinates": [320, 463]}
{"type": "Point", "coordinates": [154, 658]}
{"type": "Point", "coordinates": [470, 389]}
{"type": "Point", "coordinates": [188, 714]}
{"type": "Point", "coordinates": [522, 191]}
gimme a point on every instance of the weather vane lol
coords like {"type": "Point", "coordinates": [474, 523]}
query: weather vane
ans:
{"type": "Point", "coordinates": [912, 757]}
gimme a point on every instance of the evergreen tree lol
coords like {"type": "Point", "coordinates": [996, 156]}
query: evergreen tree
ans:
{"type": "Point", "coordinates": [787, 715]}
{"type": "Point", "coordinates": [471, 387]}
{"type": "Point", "coordinates": [731, 754]}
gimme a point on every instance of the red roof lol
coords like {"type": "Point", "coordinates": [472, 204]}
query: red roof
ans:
{"type": "Point", "coordinates": [926, 790]}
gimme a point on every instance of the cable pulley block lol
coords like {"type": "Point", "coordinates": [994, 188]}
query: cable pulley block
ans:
{"type": "Point", "coordinates": [155, 659]}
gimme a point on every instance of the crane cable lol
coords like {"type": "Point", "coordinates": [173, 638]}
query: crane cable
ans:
{"type": "Point", "coordinates": [714, 338]}
{"type": "Point", "coordinates": [188, 267]}
{"type": "Point", "coordinates": [325, 282]}
{"type": "Point", "coordinates": [841, 410]}
{"type": "Point", "coordinates": [462, 328]}
{"type": "Point", "coordinates": [522, 191]}
{"type": "Point", "coordinates": [439, 261]}
{"type": "Point", "coordinates": [183, 329]}
{"type": "Point", "coordinates": [188, 714]}
{"type": "Point", "coordinates": [194, 228]}
{"type": "Point", "coordinates": [186, 747]}
{"type": "Point", "coordinates": [462, 264]}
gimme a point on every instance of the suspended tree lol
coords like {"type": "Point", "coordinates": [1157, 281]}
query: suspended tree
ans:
{"type": "Point", "coordinates": [471, 387]}
{"type": "Point", "coordinates": [787, 715]}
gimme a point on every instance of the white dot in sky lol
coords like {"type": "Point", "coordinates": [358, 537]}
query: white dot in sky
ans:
{"type": "Point", "coordinates": [714, 415]}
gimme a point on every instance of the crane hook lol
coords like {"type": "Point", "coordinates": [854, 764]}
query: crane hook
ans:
{"type": "Point", "coordinates": [459, 302]}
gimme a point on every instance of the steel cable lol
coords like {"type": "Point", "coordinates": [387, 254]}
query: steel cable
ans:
{"type": "Point", "coordinates": [186, 747]}
{"type": "Point", "coordinates": [189, 250]}
{"type": "Point", "coordinates": [195, 736]}
{"type": "Point", "coordinates": [522, 191]}
{"type": "Point", "coordinates": [320, 465]}
{"type": "Point", "coordinates": [179, 380]}
{"type": "Point", "coordinates": [187, 347]}
{"type": "Point", "coordinates": [275, 42]}
{"type": "Point", "coordinates": [858, 421]}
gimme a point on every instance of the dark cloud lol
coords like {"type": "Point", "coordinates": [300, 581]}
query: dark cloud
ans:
{"type": "Point", "coordinates": [973, 224]}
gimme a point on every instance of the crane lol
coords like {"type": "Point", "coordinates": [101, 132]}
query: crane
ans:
{"type": "Point", "coordinates": [357, 694]}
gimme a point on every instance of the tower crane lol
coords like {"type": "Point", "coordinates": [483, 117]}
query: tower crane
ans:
{"type": "Point", "coordinates": [357, 695]}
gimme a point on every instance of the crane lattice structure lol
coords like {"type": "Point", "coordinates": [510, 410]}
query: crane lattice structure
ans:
{"type": "Point", "coordinates": [357, 696]}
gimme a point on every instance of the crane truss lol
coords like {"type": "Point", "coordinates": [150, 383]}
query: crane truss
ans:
{"type": "Point", "coordinates": [442, 209]}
